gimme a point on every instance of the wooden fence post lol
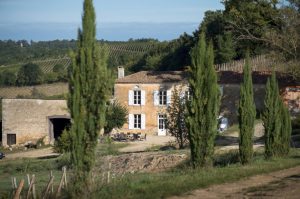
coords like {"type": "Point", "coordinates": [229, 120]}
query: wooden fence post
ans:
{"type": "Point", "coordinates": [108, 173]}
{"type": "Point", "coordinates": [63, 181]}
{"type": "Point", "coordinates": [19, 189]}
{"type": "Point", "coordinates": [48, 187]}
{"type": "Point", "coordinates": [31, 185]}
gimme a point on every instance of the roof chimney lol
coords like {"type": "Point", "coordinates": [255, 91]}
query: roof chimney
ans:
{"type": "Point", "coordinates": [121, 72]}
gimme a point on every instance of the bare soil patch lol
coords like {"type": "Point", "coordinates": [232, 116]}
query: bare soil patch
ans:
{"type": "Point", "coordinates": [279, 184]}
{"type": "Point", "coordinates": [35, 153]}
{"type": "Point", "coordinates": [141, 162]}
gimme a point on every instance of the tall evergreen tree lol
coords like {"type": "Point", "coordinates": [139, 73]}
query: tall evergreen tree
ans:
{"type": "Point", "coordinates": [286, 129]}
{"type": "Point", "coordinates": [272, 117]}
{"type": "Point", "coordinates": [246, 116]}
{"type": "Point", "coordinates": [89, 86]}
{"type": "Point", "coordinates": [203, 107]}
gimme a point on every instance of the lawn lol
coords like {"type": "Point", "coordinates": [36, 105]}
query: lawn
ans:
{"type": "Point", "coordinates": [146, 185]}
{"type": "Point", "coordinates": [184, 179]}
{"type": "Point", "coordinates": [21, 167]}
{"type": "Point", "coordinates": [41, 168]}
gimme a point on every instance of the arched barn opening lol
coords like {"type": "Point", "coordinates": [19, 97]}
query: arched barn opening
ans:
{"type": "Point", "coordinates": [57, 125]}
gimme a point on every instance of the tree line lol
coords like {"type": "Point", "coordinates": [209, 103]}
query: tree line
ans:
{"type": "Point", "coordinates": [269, 27]}
{"type": "Point", "coordinates": [31, 74]}
{"type": "Point", "coordinates": [193, 119]}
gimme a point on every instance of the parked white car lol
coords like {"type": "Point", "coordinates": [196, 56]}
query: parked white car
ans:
{"type": "Point", "coordinates": [222, 124]}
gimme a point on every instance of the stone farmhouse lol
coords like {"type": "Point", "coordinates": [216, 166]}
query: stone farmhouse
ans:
{"type": "Point", "coordinates": [146, 94]}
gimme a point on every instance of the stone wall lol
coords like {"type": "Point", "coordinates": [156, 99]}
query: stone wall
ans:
{"type": "Point", "coordinates": [230, 100]}
{"type": "Point", "coordinates": [29, 118]}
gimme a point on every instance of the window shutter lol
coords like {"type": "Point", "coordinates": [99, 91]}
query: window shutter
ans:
{"type": "Point", "coordinates": [130, 121]}
{"type": "Point", "coordinates": [169, 97]}
{"type": "Point", "coordinates": [143, 121]}
{"type": "Point", "coordinates": [156, 98]}
{"type": "Point", "coordinates": [130, 97]}
{"type": "Point", "coordinates": [143, 97]}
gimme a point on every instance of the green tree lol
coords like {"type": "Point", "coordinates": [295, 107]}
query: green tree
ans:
{"type": "Point", "coordinates": [7, 78]}
{"type": "Point", "coordinates": [249, 20]}
{"type": "Point", "coordinates": [272, 117]}
{"type": "Point", "coordinates": [226, 50]}
{"type": "Point", "coordinates": [89, 88]}
{"type": "Point", "coordinates": [246, 115]}
{"type": "Point", "coordinates": [116, 116]}
{"type": "Point", "coordinates": [286, 130]}
{"type": "Point", "coordinates": [203, 107]}
{"type": "Point", "coordinates": [175, 117]}
{"type": "Point", "coordinates": [29, 74]}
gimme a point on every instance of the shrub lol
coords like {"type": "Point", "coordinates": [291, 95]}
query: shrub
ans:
{"type": "Point", "coordinates": [29, 74]}
{"type": "Point", "coordinates": [63, 144]}
{"type": "Point", "coordinates": [40, 142]}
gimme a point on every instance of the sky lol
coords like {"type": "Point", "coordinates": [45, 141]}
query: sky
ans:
{"type": "Point", "coordinates": [116, 19]}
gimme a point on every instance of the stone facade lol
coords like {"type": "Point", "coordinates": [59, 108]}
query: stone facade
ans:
{"type": "Point", "coordinates": [150, 109]}
{"type": "Point", "coordinates": [229, 105]}
{"type": "Point", "coordinates": [29, 119]}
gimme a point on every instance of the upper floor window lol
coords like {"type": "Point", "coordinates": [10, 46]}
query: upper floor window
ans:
{"type": "Point", "coordinates": [137, 97]}
{"type": "Point", "coordinates": [162, 97]}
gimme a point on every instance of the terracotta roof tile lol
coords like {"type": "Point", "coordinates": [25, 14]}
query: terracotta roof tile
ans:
{"type": "Point", "coordinates": [148, 77]}
{"type": "Point", "coordinates": [225, 77]}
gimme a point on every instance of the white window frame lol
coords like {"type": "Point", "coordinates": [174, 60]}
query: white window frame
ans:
{"type": "Point", "coordinates": [162, 118]}
{"type": "Point", "coordinates": [137, 97]}
{"type": "Point", "coordinates": [137, 121]}
{"type": "Point", "coordinates": [162, 97]}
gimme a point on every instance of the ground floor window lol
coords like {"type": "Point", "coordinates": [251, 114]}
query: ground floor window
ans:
{"type": "Point", "coordinates": [11, 139]}
{"type": "Point", "coordinates": [137, 121]}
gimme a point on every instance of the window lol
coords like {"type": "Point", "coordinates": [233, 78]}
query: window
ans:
{"type": "Point", "coordinates": [137, 97]}
{"type": "Point", "coordinates": [161, 122]}
{"type": "Point", "coordinates": [11, 139]}
{"type": "Point", "coordinates": [137, 121]}
{"type": "Point", "coordinates": [162, 97]}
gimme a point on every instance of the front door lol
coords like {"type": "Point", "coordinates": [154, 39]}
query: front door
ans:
{"type": "Point", "coordinates": [162, 125]}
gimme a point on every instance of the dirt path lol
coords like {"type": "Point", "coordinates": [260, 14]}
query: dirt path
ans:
{"type": "Point", "coordinates": [279, 184]}
{"type": "Point", "coordinates": [32, 153]}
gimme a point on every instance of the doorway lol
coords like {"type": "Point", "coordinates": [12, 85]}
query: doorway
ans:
{"type": "Point", "coordinates": [56, 127]}
{"type": "Point", "coordinates": [162, 131]}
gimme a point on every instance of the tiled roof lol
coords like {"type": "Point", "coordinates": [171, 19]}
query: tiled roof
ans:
{"type": "Point", "coordinates": [148, 77]}
{"type": "Point", "coordinates": [225, 77]}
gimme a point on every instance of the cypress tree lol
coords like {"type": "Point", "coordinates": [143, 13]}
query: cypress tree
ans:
{"type": "Point", "coordinates": [247, 114]}
{"type": "Point", "coordinates": [286, 129]}
{"type": "Point", "coordinates": [203, 107]}
{"type": "Point", "coordinates": [272, 117]}
{"type": "Point", "coordinates": [89, 88]}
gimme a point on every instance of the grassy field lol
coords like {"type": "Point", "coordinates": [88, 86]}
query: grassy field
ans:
{"type": "Point", "coordinates": [146, 185]}
{"type": "Point", "coordinates": [41, 169]}
{"type": "Point", "coordinates": [20, 168]}
{"type": "Point", "coordinates": [184, 179]}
